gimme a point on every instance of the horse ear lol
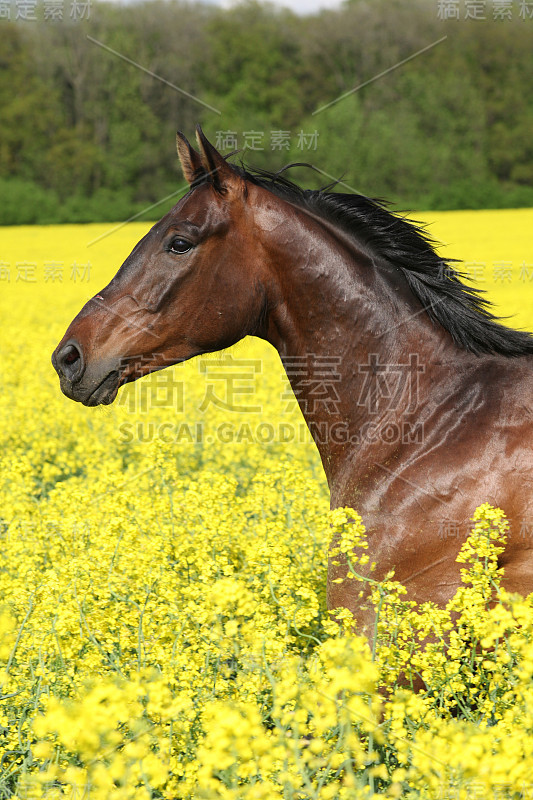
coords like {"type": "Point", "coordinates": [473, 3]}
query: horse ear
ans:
{"type": "Point", "coordinates": [191, 163]}
{"type": "Point", "coordinates": [222, 174]}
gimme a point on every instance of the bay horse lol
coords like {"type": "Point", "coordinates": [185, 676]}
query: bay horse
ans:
{"type": "Point", "coordinates": [418, 398]}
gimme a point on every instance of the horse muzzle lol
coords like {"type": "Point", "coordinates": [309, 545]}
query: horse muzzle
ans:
{"type": "Point", "coordinates": [90, 384]}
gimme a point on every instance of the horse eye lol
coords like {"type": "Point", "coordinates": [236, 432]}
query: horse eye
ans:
{"type": "Point", "coordinates": [179, 246]}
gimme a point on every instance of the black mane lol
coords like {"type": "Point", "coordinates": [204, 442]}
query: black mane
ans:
{"type": "Point", "coordinates": [460, 309]}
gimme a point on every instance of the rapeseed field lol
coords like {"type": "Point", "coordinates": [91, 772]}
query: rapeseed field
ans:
{"type": "Point", "coordinates": [163, 626]}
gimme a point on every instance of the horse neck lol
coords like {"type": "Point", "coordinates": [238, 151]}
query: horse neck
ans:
{"type": "Point", "coordinates": [349, 332]}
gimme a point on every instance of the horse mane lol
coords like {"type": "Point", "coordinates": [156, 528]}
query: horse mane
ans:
{"type": "Point", "coordinates": [460, 309]}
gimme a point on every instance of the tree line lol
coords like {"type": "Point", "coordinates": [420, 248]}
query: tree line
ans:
{"type": "Point", "coordinates": [86, 135]}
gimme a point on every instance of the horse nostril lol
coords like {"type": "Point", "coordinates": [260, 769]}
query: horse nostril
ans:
{"type": "Point", "coordinates": [71, 355]}
{"type": "Point", "coordinates": [70, 362]}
